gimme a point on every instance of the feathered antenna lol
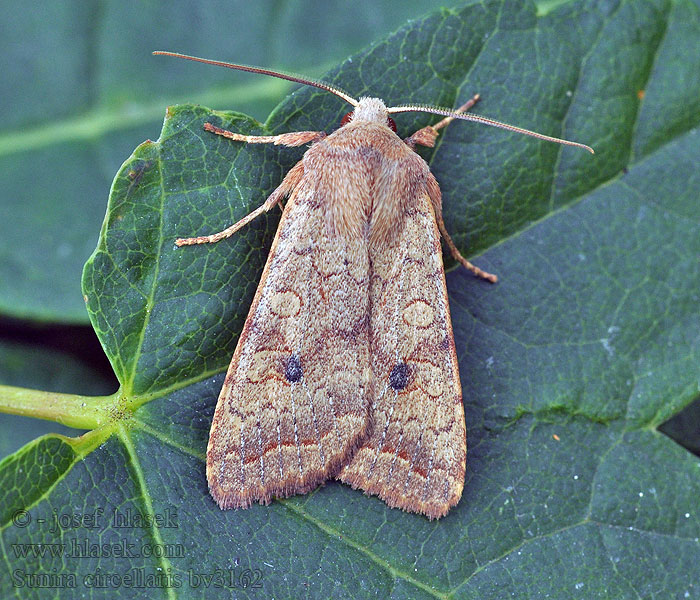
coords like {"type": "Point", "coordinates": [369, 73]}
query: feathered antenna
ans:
{"type": "Point", "coordinates": [445, 112]}
{"type": "Point", "coordinates": [288, 76]}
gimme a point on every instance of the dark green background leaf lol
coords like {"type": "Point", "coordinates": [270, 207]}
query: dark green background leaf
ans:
{"type": "Point", "coordinates": [589, 342]}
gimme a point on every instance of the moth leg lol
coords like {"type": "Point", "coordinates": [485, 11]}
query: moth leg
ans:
{"type": "Point", "coordinates": [428, 135]}
{"type": "Point", "coordinates": [457, 255]}
{"type": "Point", "coordinates": [295, 138]}
{"type": "Point", "coordinates": [283, 190]}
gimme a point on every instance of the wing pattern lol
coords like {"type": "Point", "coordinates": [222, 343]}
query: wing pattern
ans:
{"type": "Point", "coordinates": [293, 407]}
{"type": "Point", "coordinates": [415, 456]}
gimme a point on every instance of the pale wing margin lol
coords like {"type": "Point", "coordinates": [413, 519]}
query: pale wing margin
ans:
{"type": "Point", "coordinates": [294, 405]}
{"type": "Point", "coordinates": [415, 457]}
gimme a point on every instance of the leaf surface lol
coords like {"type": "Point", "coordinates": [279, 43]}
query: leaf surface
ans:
{"type": "Point", "coordinates": [590, 340]}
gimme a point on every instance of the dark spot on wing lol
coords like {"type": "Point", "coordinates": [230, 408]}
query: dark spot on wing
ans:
{"type": "Point", "coordinates": [398, 379]}
{"type": "Point", "coordinates": [293, 370]}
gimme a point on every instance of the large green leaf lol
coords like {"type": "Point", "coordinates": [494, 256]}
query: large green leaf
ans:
{"type": "Point", "coordinates": [568, 365]}
{"type": "Point", "coordinates": [81, 89]}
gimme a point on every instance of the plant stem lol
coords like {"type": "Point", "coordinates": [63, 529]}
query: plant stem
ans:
{"type": "Point", "coordinates": [82, 412]}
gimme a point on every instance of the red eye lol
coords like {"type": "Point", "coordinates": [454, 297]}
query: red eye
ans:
{"type": "Point", "coordinates": [346, 119]}
{"type": "Point", "coordinates": [391, 123]}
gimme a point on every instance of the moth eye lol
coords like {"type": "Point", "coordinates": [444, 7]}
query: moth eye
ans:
{"type": "Point", "coordinates": [346, 119]}
{"type": "Point", "coordinates": [391, 123]}
{"type": "Point", "coordinates": [398, 378]}
{"type": "Point", "coordinates": [293, 370]}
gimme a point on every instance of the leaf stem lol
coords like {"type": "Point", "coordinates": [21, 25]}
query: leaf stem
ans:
{"type": "Point", "coordinates": [82, 412]}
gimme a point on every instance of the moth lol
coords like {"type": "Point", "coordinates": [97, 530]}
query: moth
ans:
{"type": "Point", "coordinates": [346, 365]}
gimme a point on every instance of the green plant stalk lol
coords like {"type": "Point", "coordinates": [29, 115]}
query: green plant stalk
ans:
{"type": "Point", "coordinates": [72, 410]}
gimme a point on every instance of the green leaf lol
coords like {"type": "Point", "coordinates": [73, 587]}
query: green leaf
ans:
{"type": "Point", "coordinates": [82, 89]}
{"type": "Point", "coordinates": [590, 340]}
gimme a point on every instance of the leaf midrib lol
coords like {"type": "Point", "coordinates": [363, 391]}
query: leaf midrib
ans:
{"type": "Point", "coordinates": [152, 528]}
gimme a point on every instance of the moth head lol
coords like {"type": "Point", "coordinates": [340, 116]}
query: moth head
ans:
{"type": "Point", "coordinates": [373, 109]}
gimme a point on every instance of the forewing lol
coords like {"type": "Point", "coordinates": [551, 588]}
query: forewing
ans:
{"type": "Point", "coordinates": [415, 457]}
{"type": "Point", "coordinates": [294, 407]}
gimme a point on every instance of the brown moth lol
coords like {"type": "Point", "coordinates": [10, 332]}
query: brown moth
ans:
{"type": "Point", "coordinates": [346, 365]}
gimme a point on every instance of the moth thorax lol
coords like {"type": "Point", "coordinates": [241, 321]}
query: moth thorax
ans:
{"type": "Point", "coordinates": [370, 109]}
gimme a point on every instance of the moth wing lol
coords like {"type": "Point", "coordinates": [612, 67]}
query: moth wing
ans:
{"type": "Point", "coordinates": [294, 404]}
{"type": "Point", "coordinates": [415, 456]}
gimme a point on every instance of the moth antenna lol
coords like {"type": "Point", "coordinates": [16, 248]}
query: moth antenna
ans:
{"type": "Point", "coordinates": [288, 76]}
{"type": "Point", "coordinates": [446, 112]}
